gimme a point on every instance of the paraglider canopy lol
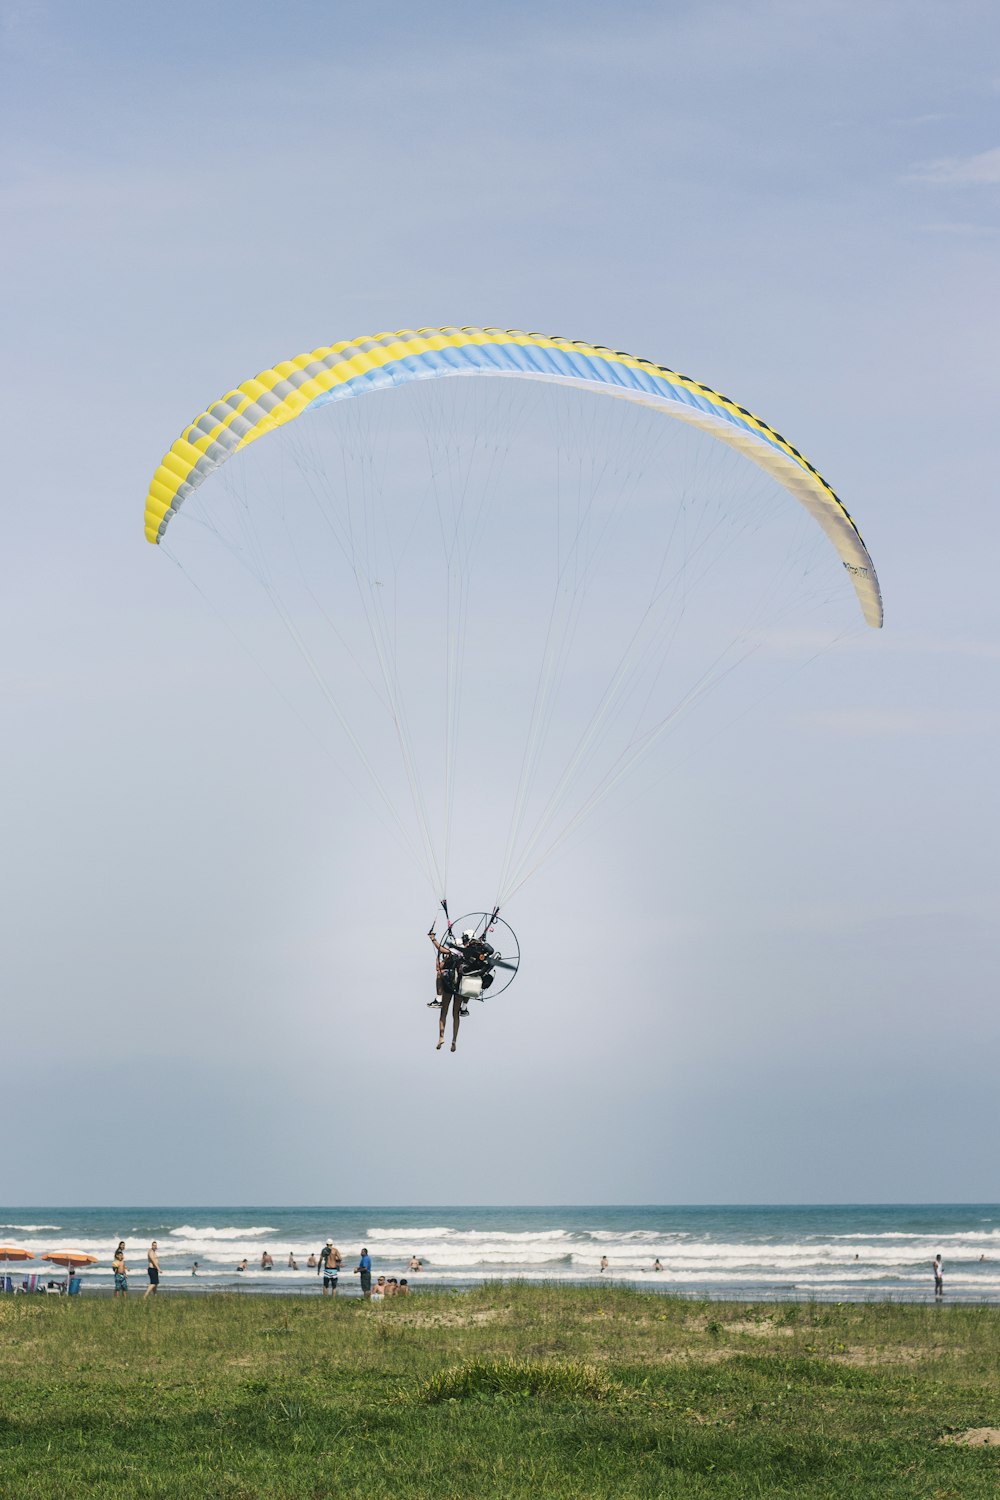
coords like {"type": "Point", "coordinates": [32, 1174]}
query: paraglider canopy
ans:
{"type": "Point", "coordinates": [359, 366]}
{"type": "Point", "coordinates": [506, 588]}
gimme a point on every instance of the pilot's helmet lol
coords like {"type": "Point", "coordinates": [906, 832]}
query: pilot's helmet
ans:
{"type": "Point", "coordinates": [467, 937]}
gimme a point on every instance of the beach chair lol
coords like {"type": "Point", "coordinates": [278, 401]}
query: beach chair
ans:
{"type": "Point", "coordinates": [30, 1283]}
{"type": "Point", "coordinates": [6, 1284]}
{"type": "Point", "coordinates": [75, 1282]}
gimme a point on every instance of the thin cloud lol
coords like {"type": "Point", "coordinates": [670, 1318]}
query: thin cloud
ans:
{"type": "Point", "coordinates": [884, 723]}
{"type": "Point", "coordinates": [982, 169]}
{"type": "Point", "coordinates": [961, 229]}
{"type": "Point", "coordinates": [911, 643]}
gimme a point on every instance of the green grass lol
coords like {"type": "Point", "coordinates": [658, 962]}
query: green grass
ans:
{"type": "Point", "coordinates": [506, 1391]}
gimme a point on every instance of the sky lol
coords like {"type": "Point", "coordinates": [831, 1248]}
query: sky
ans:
{"type": "Point", "coordinates": [770, 979]}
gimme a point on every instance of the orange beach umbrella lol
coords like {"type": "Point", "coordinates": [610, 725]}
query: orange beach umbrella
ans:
{"type": "Point", "coordinates": [11, 1252]}
{"type": "Point", "coordinates": [70, 1258]}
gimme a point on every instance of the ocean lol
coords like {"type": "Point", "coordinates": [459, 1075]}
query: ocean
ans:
{"type": "Point", "coordinates": [830, 1252]}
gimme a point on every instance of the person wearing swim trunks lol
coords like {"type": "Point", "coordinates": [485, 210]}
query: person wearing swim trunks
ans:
{"type": "Point", "coordinates": [120, 1270]}
{"type": "Point", "coordinates": [152, 1271]}
{"type": "Point", "coordinates": [330, 1261]}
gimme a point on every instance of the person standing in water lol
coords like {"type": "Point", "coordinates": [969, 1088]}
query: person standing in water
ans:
{"type": "Point", "coordinates": [152, 1271]}
{"type": "Point", "coordinates": [329, 1265]}
{"type": "Point", "coordinates": [120, 1270]}
{"type": "Point", "coordinates": [364, 1270]}
{"type": "Point", "coordinates": [938, 1276]}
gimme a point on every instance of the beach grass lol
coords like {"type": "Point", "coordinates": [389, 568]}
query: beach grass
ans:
{"type": "Point", "coordinates": [508, 1390]}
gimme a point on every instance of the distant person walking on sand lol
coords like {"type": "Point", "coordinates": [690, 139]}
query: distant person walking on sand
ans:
{"type": "Point", "coordinates": [120, 1270]}
{"type": "Point", "coordinates": [938, 1276]}
{"type": "Point", "coordinates": [152, 1271]}
{"type": "Point", "coordinates": [364, 1270]}
{"type": "Point", "coordinates": [330, 1261]}
{"type": "Point", "coordinates": [604, 1263]}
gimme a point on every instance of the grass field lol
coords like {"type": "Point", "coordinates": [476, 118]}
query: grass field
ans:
{"type": "Point", "coordinates": [505, 1391]}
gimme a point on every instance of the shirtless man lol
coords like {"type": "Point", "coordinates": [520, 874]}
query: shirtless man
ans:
{"type": "Point", "coordinates": [152, 1271]}
{"type": "Point", "coordinates": [330, 1261]}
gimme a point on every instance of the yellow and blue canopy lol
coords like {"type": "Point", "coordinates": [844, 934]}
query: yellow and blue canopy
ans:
{"type": "Point", "coordinates": [357, 366]}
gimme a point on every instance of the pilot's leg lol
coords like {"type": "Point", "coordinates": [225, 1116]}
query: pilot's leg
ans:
{"type": "Point", "coordinates": [446, 999]}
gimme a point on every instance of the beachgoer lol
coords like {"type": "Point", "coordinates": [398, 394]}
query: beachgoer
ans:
{"type": "Point", "coordinates": [242, 1265]}
{"type": "Point", "coordinates": [938, 1276]}
{"type": "Point", "coordinates": [152, 1271]}
{"type": "Point", "coordinates": [194, 1269]}
{"type": "Point", "coordinates": [404, 1288]}
{"type": "Point", "coordinates": [292, 1262]}
{"type": "Point", "coordinates": [378, 1290]}
{"type": "Point", "coordinates": [120, 1270]}
{"type": "Point", "coordinates": [266, 1262]}
{"type": "Point", "coordinates": [330, 1261]}
{"type": "Point", "coordinates": [656, 1264]}
{"type": "Point", "coordinates": [311, 1262]}
{"type": "Point", "coordinates": [415, 1263]}
{"type": "Point", "coordinates": [391, 1287]}
{"type": "Point", "coordinates": [604, 1262]}
{"type": "Point", "coordinates": [364, 1270]}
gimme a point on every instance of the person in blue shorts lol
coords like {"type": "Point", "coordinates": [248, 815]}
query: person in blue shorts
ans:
{"type": "Point", "coordinates": [329, 1264]}
{"type": "Point", "coordinates": [120, 1270]}
{"type": "Point", "coordinates": [364, 1270]}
